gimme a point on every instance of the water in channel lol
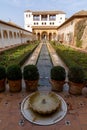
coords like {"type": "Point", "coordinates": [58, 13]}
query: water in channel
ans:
{"type": "Point", "coordinates": [44, 65]}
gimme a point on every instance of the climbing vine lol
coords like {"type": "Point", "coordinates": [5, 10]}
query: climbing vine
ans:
{"type": "Point", "coordinates": [79, 30]}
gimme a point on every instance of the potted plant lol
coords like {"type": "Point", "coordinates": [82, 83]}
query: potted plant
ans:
{"type": "Point", "coordinates": [31, 77]}
{"type": "Point", "coordinates": [2, 78]}
{"type": "Point", "coordinates": [58, 76]}
{"type": "Point", "coordinates": [14, 77]}
{"type": "Point", "coordinates": [76, 79]}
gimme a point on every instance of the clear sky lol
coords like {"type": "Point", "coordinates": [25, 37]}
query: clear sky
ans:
{"type": "Point", "coordinates": [13, 10]}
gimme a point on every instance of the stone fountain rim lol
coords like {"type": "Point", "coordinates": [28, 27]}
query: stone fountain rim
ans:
{"type": "Point", "coordinates": [30, 116]}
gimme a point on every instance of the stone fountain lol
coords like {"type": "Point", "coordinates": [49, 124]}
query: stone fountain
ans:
{"type": "Point", "coordinates": [43, 108]}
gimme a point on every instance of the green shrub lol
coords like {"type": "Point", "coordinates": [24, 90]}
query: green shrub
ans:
{"type": "Point", "coordinates": [36, 42]}
{"type": "Point", "coordinates": [72, 57]}
{"type": "Point", "coordinates": [58, 73]}
{"type": "Point", "coordinates": [53, 42]}
{"type": "Point", "coordinates": [76, 74]}
{"type": "Point", "coordinates": [2, 72]}
{"type": "Point", "coordinates": [14, 72]}
{"type": "Point", "coordinates": [16, 55]}
{"type": "Point", "coordinates": [30, 72]}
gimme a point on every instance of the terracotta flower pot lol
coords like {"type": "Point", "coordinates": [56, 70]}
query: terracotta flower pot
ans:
{"type": "Point", "coordinates": [15, 85]}
{"type": "Point", "coordinates": [31, 85]}
{"type": "Point", "coordinates": [84, 91]}
{"type": "Point", "coordinates": [75, 88]}
{"type": "Point", "coordinates": [2, 85]}
{"type": "Point", "coordinates": [57, 85]}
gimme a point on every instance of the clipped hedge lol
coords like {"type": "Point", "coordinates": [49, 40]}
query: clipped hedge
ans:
{"type": "Point", "coordinates": [2, 72]}
{"type": "Point", "coordinates": [72, 57]}
{"type": "Point", "coordinates": [16, 55]}
{"type": "Point", "coordinates": [30, 72]}
{"type": "Point", "coordinates": [14, 72]}
{"type": "Point", "coordinates": [58, 73]}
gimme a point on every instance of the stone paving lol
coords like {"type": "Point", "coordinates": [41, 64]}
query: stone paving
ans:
{"type": "Point", "coordinates": [34, 57]}
{"type": "Point", "coordinates": [11, 117]}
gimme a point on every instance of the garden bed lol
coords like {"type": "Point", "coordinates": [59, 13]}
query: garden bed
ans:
{"type": "Point", "coordinates": [17, 55]}
{"type": "Point", "coordinates": [72, 57]}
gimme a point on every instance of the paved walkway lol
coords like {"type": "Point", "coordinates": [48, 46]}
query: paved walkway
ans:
{"type": "Point", "coordinates": [34, 57]}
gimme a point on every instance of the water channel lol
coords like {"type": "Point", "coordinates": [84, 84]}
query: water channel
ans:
{"type": "Point", "coordinates": [44, 65]}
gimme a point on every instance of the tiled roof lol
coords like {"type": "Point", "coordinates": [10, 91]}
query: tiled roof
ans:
{"type": "Point", "coordinates": [46, 12]}
{"type": "Point", "coordinates": [27, 11]}
{"type": "Point", "coordinates": [13, 25]}
{"type": "Point", "coordinates": [81, 13]}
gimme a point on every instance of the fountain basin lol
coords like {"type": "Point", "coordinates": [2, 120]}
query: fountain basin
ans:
{"type": "Point", "coordinates": [39, 119]}
{"type": "Point", "coordinates": [44, 103]}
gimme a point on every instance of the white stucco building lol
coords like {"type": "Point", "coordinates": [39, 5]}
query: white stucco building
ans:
{"type": "Point", "coordinates": [43, 23]}
{"type": "Point", "coordinates": [12, 34]}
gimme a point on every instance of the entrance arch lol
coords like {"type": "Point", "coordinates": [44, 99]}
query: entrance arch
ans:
{"type": "Point", "coordinates": [44, 36]}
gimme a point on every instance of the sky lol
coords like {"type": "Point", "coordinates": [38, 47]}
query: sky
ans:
{"type": "Point", "coordinates": [13, 10]}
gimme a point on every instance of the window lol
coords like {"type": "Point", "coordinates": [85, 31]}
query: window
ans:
{"type": "Point", "coordinates": [35, 23]}
{"type": "Point", "coordinates": [51, 23]}
{"type": "Point", "coordinates": [44, 17]}
{"type": "Point", "coordinates": [36, 18]}
{"type": "Point", "coordinates": [26, 15]}
{"type": "Point", "coordinates": [52, 17]}
{"type": "Point", "coordinates": [43, 23]}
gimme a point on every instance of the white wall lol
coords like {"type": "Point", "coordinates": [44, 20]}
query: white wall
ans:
{"type": "Point", "coordinates": [15, 37]}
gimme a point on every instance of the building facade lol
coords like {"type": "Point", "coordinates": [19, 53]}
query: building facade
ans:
{"type": "Point", "coordinates": [11, 34]}
{"type": "Point", "coordinates": [74, 30]}
{"type": "Point", "coordinates": [43, 24]}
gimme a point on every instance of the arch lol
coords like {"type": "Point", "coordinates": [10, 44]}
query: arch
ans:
{"type": "Point", "coordinates": [10, 34]}
{"type": "Point", "coordinates": [18, 34]}
{"type": "Point", "coordinates": [44, 35]}
{"type": "Point", "coordinates": [5, 34]}
{"type": "Point", "coordinates": [14, 34]}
